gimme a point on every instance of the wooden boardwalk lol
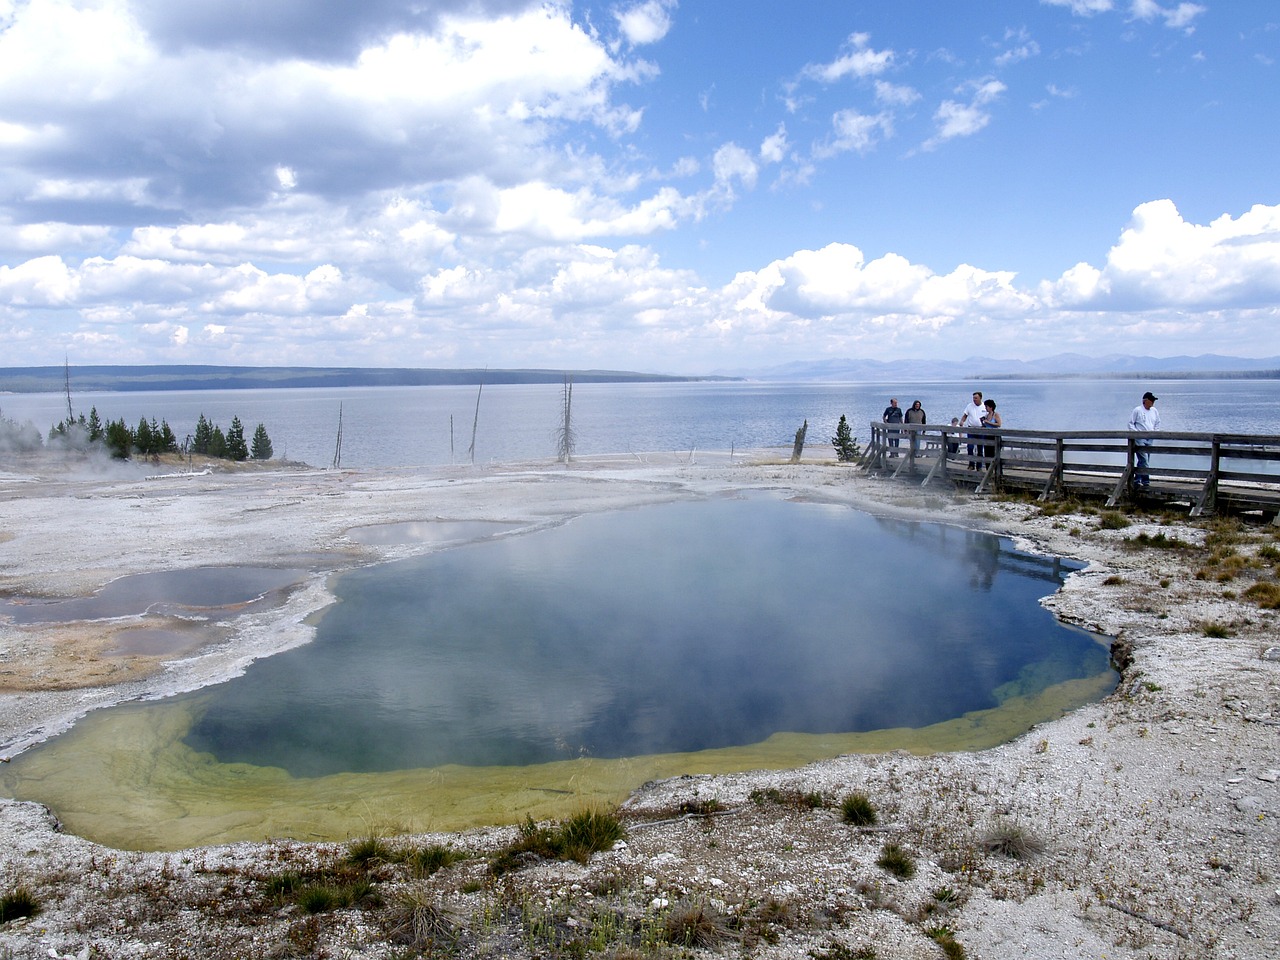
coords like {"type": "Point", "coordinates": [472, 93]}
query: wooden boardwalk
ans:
{"type": "Point", "coordinates": [1209, 472]}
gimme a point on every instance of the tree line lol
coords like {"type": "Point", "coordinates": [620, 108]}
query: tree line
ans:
{"type": "Point", "coordinates": [151, 438]}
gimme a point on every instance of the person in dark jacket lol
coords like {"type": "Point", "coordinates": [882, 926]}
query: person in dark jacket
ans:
{"type": "Point", "coordinates": [892, 414]}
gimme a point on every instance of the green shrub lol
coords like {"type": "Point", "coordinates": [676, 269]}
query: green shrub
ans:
{"type": "Point", "coordinates": [894, 859]}
{"type": "Point", "coordinates": [1113, 520]}
{"type": "Point", "coordinates": [425, 861]}
{"type": "Point", "coordinates": [367, 851]}
{"type": "Point", "coordinates": [583, 834]}
{"type": "Point", "coordinates": [856, 808]}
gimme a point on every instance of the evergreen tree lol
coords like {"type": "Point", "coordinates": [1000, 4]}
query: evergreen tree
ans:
{"type": "Point", "coordinates": [95, 426]}
{"type": "Point", "coordinates": [846, 447]}
{"type": "Point", "coordinates": [261, 444]}
{"type": "Point", "coordinates": [143, 439]}
{"type": "Point", "coordinates": [236, 447]}
{"type": "Point", "coordinates": [217, 444]}
{"type": "Point", "coordinates": [168, 440]}
{"type": "Point", "coordinates": [119, 439]}
{"type": "Point", "coordinates": [203, 437]}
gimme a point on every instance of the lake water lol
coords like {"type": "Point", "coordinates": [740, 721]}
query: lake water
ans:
{"type": "Point", "coordinates": [416, 426]}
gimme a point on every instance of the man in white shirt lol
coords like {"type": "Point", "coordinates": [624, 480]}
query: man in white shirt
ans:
{"type": "Point", "coordinates": [972, 417]}
{"type": "Point", "coordinates": [1144, 419]}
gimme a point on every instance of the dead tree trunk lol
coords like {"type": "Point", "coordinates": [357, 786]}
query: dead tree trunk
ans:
{"type": "Point", "coordinates": [799, 447]}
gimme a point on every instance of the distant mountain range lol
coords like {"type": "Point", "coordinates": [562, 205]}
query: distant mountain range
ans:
{"type": "Point", "coordinates": [93, 379]}
{"type": "Point", "coordinates": [1060, 365]}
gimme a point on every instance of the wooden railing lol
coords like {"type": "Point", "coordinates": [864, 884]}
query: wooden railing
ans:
{"type": "Point", "coordinates": [1211, 471]}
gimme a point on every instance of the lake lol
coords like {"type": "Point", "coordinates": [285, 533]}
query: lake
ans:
{"type": "Point", "coordinates": [419, 426]}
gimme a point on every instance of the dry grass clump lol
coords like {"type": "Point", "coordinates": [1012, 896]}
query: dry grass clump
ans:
{"type": "Point", "coordinates": [1265, 594]}
{"type": "Point", "coordinates": [692, 923]}
{"type": "Point", "coordinates": [1013, 841]}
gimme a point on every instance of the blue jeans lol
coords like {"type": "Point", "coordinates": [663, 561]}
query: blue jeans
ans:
{"type": "Point", "coordinates": [1144, 456]}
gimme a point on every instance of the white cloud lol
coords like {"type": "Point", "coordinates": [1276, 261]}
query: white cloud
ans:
{"type": "Point", "coordinates": [854, 132]}
{"type": "Point", "coordinates": [1082, 8]}
{"type": "Point", "coordinates": [954, 119]}
{"type": "Point", "coordinates": [1179, 17]}
{"type": "Point", "coordinates": [773, 149]}
{"type": "Point", "coordinates": [646, 22]}
{"type": "Point", "coordinates": [895, 95]}
{"type": "Point", "coordinates": [860, 61]}
{"type": "Point", "coordinates": [1161, 261]}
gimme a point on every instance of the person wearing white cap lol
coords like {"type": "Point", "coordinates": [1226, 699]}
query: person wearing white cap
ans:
{"type": "Point", "coordinates": [1145, 418]}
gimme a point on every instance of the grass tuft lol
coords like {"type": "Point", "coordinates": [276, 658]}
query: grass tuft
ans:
{"type": "Point", "coordinates": [857, 809]}
{"type": "Point", "coordinates": [693, 923]}
{"type": "Point", "coordinates": [1012, 841]}
{"type": "Point", "coordinates": [894, 859]}
{"type": "Point", "coordinates": [576, 838]}
{"type": "Point", "coordinates": [18, 904]}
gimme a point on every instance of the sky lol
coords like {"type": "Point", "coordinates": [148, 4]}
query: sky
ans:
{"type": "Point", "coordinates": [678, 187]}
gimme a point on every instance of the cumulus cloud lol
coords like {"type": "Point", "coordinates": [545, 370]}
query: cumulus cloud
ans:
{"type": "Point", "coordinates": [854, 132]}
{"type": "Point", "coordinates": [1082, 8]}
{"type": "Point", "coordinates": [1163, 262]}
{"type": "Point", "coordinates": [472, 95]}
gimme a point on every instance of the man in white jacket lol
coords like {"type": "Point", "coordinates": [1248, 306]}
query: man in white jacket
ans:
{"type": "Point", "coordinates": [1144, 419]}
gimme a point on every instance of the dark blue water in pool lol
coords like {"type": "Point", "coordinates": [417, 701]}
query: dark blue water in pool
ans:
{"type": "Point", "coordinates": [660, 629]}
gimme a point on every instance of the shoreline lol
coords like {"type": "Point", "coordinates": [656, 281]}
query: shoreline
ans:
{"type": "Point", "coordinates": [1173, 775]}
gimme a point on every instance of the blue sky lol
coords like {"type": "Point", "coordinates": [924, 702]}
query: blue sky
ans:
{"type": "Point", "coordinates": [663, 186]}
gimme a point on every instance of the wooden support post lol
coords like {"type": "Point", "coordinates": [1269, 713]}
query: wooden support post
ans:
{"type": "Point", "coordinates": [1055, 475]}
{"type": "Point", "coordinates": [1209, 493]}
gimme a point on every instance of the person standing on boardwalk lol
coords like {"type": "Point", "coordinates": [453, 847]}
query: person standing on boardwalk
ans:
{"type": "Point", "coordinates": [915, 414]}
{"type": "Point", "coordinates": [893, 414]}
{"type": "Point", "coordinates": [990, 419]}
{"type": "Point", "coordinates": [972, 417]}
{"type": "Point", "coordinates": [1144, 419]}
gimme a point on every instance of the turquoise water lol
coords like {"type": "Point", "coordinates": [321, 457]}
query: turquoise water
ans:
{"type": "Point", "coordinates": [665, 629]}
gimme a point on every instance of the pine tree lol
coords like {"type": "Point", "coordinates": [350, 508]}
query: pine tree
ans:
{"type": "Point", "coordinates": [203, 437]}
{"type": "Point", "coordinates": [119, 439]}
{"type": "Point", "coordinates": [217, 444]}
{"type": "Point", "coordinates": [143, 438]}
{"type": "Point", "coordinates": [167, 440]}
{"type": "Point", "coordinates": [846, 447]}
{"type": "Point", "coordinates": [261, 449]}
{"type": "Point", "coordinates": [237, 449]}
{"type": "Point", "coordinates": [95, 426]}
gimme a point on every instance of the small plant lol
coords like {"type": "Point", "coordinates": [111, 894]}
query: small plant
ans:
{"type": "Point", "coordinates": [1113, 520]}
{"type": "Point", "coordinates": [1216, 630]}
{"type": "Point", "coordinates": [894, 859]}
{"type": "Point", "coordinates": [838, 951]}
{"type": "Point", "coordinates": [1160, 541]}
{"type": "Point", "coordinates": [368, 851]}
{"type": "Point", "coordinates": [945, 937]}
{"type": "Point", "coordinates": [1113, 581]}
{"type": "Point", "coordinates": [583, 834]}
{"type": "Point", "coordinates": [415, 921]}
{"type": "Point", "coordinates": [693, 924]}
{"type": "Point", "coordinates": [1011, 840]}
{"type": "Point", "coordinates": [1265, 594]}
{"type": "Point", "coordinates": [18, 904]}
{"type": "Point", "coordinates": [425, 861]}
{"type": "Point", "coordinates": [857, 809]}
